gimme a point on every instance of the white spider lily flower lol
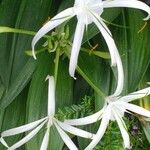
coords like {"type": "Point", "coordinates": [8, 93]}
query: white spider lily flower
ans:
{"type": "Point", "coordinates": [49, 120]}
{"type": "Point", "coordinates": [87, 12]}
{"type": "Point", "coordinates": [114, 110]}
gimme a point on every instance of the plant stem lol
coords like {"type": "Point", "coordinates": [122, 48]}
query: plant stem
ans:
{"type": "Point", "coordinates": [97, 90]}
{"type": "Point", "coordinates": [104, 55]}
{"type": "Point", "coordinates": [56, 64]}
{"type": "Point", "coordinates": [4, 29]}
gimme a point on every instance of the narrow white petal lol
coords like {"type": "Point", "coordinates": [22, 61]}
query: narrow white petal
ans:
{"type": "Point", "coordinates": [107, 36]}
{"type": "Point", "coordinates": [115, 57]}
{"type": "Point", "coordinates": [51, 96]}
{"type": "Point", "coordinates": [128, 3]}
{"type": "Point", "coordinates": [122, 130]}
{"type": "Point", "coordinates": [22, 129]}
{"type": "Point", "coordinates": [75, 131]}
{"type": "Point", "coordinates": [86, 120]}
{"type": "Point", "coordinates": [45, 141]}
{"type": "Point", "coordinates": [67, 140]}
{"type": "Point", "coordinates": [3, 142]}
{"type": "Point", "coordinates": [136, 95]}
{"type": "Point", "coordinates": [101, 21]}
{"type": "Point", "coordinates": [101, 130]}
{"type": "Point", "coordinates": [120, 76]}
{"type": "Point", "coordinates": [137, 109]}
{"type": "Point", "coordinates": [27, 137]}
{"type": "Point", "coordinates": [76, 47]}
{"type": "Point", "coordinates": [54, 22]}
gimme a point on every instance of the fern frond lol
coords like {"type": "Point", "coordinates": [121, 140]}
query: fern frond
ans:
{"type": "Point", "coordinates": [77, 111]}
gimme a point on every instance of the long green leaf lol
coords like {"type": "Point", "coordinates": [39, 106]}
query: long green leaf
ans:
{"type": "Point", "coordinates": [138, 50]}
{"type": "Point", "coordinates": [14, 116]}
{"type": "Point", "coordinates": [37, 97]}
{"type": "Point", "coordinates": [18, 84]}
{"type": "Point", "coordinates": [8, 14]}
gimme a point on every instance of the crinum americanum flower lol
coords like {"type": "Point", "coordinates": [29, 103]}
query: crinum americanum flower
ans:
{"type": "Point", "coordinates": [114, 110]}
{"type": "Point", "coordinates": [49, 120]}
{"type": "Point", "coordinates": [87, 12]}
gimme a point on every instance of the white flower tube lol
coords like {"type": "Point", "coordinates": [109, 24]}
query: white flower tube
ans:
{"type": "Point", "coordinates": [51, 96]}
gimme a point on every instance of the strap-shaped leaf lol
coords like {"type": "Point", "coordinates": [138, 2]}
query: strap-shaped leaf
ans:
{"type": "Point", "coordinates": [18, 84]}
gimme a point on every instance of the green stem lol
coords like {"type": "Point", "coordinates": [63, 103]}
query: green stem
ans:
{"type": "Point", "coordinates": [56, 64]}
{"type": "Point", "coordinates": [116, 25]}
{"type": "Point", "coordinates": [4, 29]}
{"type": "Point", "coordinates": [29, 52]}
{"type": "Point", "coordinates": [97, 90]}
{"type": "Point", "coordinates": [104, 55]}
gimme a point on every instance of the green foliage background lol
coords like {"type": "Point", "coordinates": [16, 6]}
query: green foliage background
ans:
{"type": "Point", "coordinates": [23, 90]}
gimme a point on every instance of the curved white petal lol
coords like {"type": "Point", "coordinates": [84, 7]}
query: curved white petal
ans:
{"type": "Point", "coordinates": [94, 2]}
{"type": "Point", "coordinates": [45, 141]}
{"type": "Point", "coordinates": [22, 129]}
{"type": "Point", "coordinates": [27, 137]}
{"type": "Point", "coordinates": [51, 95]}
{"type": "Point", "coordinates": [67, 140]}
{"type": "Point", "coordinates": [107, 36]}
{"type": "Point", "coordinates": [120, 76]}
{"type": "Point", "coordinates": [54, 22]}
{"type": "Point", "coordinates": [122, 130]}
{"type": "Point", "coordinates": [115, 57]}
{"type": "Point", "coordinates": [128, 3]}
{"type": "Point", "coordinates": [89, 2]}
{"type": "Point", "coordinates": [86, 120]}
{"type": "Point", "coordinates": [3, 142]}
{"type": "Point", "coordinates": [75, 131]}
{"type": "Point", "coordinates": [101, 21]}
{"type": "Point", "coordinates": [76, 47]}
{"type": "Point", "coordinates": [136, 95]}
{"type": "Point", "coordinates": [101, 130]}
{"type": "Point", "coordinates": [137, 109]}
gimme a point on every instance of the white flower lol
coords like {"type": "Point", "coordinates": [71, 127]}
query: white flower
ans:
{"type": "Point", "coordinates": [88, 11]}
{"type": "Point", "coordinates": [35, 126]}
{"type": "Point", "coordinates": [114, 110]}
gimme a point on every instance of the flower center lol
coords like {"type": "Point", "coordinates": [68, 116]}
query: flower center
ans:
{"type": "Point", "coordinates": [111, 99]}
{"type": "Point", "coordinates": [116, 107]}
{"type": "Point", "coordinates": [85, 8]}
{"type": "Point", "coordinates": [50, 121]}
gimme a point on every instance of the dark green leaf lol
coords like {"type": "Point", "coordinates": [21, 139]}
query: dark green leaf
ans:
{"type": "Point", "coordinates": [18, 84]}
